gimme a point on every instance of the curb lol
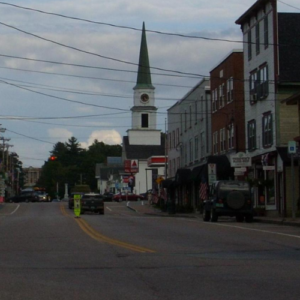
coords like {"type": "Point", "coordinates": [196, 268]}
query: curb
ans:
{"type": "Point", "coordinates": [279, 222]}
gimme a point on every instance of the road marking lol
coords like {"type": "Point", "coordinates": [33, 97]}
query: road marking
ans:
{"type": "Point", "coordinates": [102, 238]}
{"type": "Point", "coordinates": [15, 209]}
{"type": "Point", "coordinates": [3, 215]}
{"type": "Point", "coordinates": [108, 208]}
{"type": "Point", "coordinates": [258, 230]}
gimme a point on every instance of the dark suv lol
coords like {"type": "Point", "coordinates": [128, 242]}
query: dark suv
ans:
{"type": "Point", "coordinates": [229, 198]}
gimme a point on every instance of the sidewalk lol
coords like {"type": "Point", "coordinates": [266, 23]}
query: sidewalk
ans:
{"type": "Point", "coordinates": [143, 207]}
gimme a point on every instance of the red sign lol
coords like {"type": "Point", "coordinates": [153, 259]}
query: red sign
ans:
{"type": "Point", "coordinates": [156, 161]}
{"type": "Point", "coordinates": [131, 166]}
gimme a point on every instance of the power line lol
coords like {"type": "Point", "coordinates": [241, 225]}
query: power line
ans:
{"type": "Point", "coordinates": [29, 137]}
{"type": "Point", "coordinates": [288, 5]}
{"type": "Point", "coordinates": [92, 53]}
{"type": "Point", "coordinates": [120, 26]}
{"type": "Point", "coordinates": [101, 78]}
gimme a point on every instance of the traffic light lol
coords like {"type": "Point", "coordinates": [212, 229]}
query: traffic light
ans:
{"type": "Point", "coordinates": [52, 158]}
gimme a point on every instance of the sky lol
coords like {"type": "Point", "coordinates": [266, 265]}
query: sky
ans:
{"type": "Point", "coordinates": [61, 76]}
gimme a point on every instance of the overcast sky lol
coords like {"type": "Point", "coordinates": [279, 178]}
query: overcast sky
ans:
{"type": "Point", "coordinates": [88, 92]}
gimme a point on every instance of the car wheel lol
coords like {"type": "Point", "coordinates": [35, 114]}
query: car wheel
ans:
{"type": "Point", "coordinates": [248, 218]}
{"type": "Point", "coordinates": [82, 212]}
{"type": "Point", "coordinates": [10, 201]}
{"type": "Point", "coordinates": [26, 200]}
{"type": "Point", "coordinates": [206, 216]}
{"type": "Point", "coordinates": [239, 218]}
{"type": "Point", "coordinates": [101, 212]}
{"type": "Point", "coordinates": [213, 216]}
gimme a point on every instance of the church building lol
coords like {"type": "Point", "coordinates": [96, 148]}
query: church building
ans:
{"type": "Point", "coordinates": [143, 151]}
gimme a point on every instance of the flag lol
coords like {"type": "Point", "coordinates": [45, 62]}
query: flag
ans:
{"type": "Point", "coordinates": [203, 190]}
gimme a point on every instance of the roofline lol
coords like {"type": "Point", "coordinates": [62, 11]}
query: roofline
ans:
{"type": "Point", "coordinates": [256, 6]}
{"type": "Point", "coordinates": [227, 56]}
{"type": "Point", "coordinates": [205, 78]}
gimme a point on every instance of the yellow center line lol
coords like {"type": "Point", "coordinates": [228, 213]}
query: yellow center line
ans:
{"type": "Point", "coordinates": [102, 238]}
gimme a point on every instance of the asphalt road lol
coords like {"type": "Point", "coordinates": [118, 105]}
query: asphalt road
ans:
{"type": "Point", "coordinates": [46, 253]}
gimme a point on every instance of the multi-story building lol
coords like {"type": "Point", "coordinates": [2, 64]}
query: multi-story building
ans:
{"type": "Point", "coordinates": [189, 143]}
{"type": "Point", "coordinates": [228, 106]}
{"type": "Point", "coordinates": [272, 74]}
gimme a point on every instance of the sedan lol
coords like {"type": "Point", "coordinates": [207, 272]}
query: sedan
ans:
{"type": "Point", "coordinates": [127, 197]}
{"type": "Point", "coordinates": [24, 197]}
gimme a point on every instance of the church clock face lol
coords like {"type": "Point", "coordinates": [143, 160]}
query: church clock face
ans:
{"type": "Point", "coordinates": [144, 98]}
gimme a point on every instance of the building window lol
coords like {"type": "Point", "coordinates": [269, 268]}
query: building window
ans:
{"type": "Point", "coordinates": [196, 112]}
{"type": "Point", "coordinates": [259, 84]}
{"type": "Point", "coordinates": [229, 90]}
{"type": "Point", "coordinates": [253, 82]}
{"type": "Point", "coordinates": [174, 166]}
{"type": "Point", "coordinates": [267, 130]}
{"type": "Point", "coordinates": [196, 147]}
{"type": "Point", "coordinates": [190, 116]}
{"type": "Point", "coordinates": [263, 82]}
{"type": "Point", "coordinates": [177, 137]}
{"type": "Point", "coordinates": [191, 150]}
{"type": "Point", "coordinates": [169, 141]}
{"type": "Point", "coordinates": [215, 142]}
{"type": "Point", "coordinates": [257, 39]}
{"type": "Point", "coordinates": [185, 120]}
{"type": "Point", "coordinates": [249, 45]}
{"type": "Point", "coordinates": [251, 135]}
{"type": "Point", "coordinates": [178, 162]}
{"type": "Point", "coordinates": [145, 120]}
{"type": "Point", "coordinates": [173, 139]}
{"type": "Point", "coordinates": [214, 100]}
{"type": "Point", "coordinates": [221, 95]}
{"type": "Point", "coordinates": [230, 137]}
{"type": "Point", "coordinates": [202, 141]}
{"type": "Point", "coordinates": [266, 32]}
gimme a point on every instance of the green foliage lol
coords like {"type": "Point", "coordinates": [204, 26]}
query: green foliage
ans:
{"type": "Point", "coordinates": [74, 165]}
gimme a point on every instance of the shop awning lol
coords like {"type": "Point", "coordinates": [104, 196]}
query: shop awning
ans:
{"type": "Point", "coordinates": [197, 173]}
{"type": "Point", "coordinates": [182, 176]}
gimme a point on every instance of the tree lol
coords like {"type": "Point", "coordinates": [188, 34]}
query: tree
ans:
{"type": "Point", "coordinates": [75, 165]}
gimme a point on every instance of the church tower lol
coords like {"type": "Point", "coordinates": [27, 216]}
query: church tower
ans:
{"type": "Point", "coordinates": [143, 112]}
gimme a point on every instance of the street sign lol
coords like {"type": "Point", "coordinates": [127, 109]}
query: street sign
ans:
{"type": "Point", "coordinates": [212, 173]}
{"type": "Point", "coordinates": [292, 147]}
{"type": "Point", "coordinates": [77, 205]}
{"type": "Point", "coordinates": [240, 160]}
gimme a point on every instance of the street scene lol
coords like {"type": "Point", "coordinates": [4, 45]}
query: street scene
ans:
{"type": "Point", "coordinates": [47, 253]}
{"type": "Point", "coordinates": [150, 150]}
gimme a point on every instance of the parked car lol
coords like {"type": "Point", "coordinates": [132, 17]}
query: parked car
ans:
{"type": "Point", "coordinates": [127, 197]}
{"type": "Point", "coordinates": [229, 198]}
{"type": "Point", "coordinates": [108, 196]}
{"type": "Point", "coordinates": [145, 195]}
{"type": "Point", "coordinates": [43, 197]}
{"type": "Point", "coordinates": [92, 202]}
{"type": "Point", "coordinates": [24, 197]}
{"type": "Point", "coordinates": [71, 199]}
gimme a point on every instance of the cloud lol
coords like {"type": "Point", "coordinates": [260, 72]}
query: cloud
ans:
{"type": "Point", "coordinates": [60, 133]}
{"type": "Point", "coordinates": [110, 137]}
